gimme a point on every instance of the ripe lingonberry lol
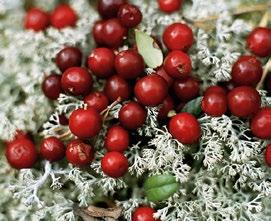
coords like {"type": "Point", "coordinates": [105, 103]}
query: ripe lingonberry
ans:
{"type": "Point", "coordinates": [129, 15]}
{"type": "Point", "coordinates": [267, 155]}
{"type": "Point", "coordinates": [97, 32]}
{"type": "Point", "coordinates": [186, 89]}
{"type": "Point", "coordinates": [117, 88]}
{"type": "Point", "coordinates": [79, 153]}
{"type": "Point", "coordinates": [97, 100]}
{"type": "Point", "coordinates": [185, 128]}
{"type": "Point", "coordinates": [51, 86]}
{"type": "Point", "coordinates": [151, 90]}
{"type": "Point", "coordinates": [76, 81]}
{"type": "Point", "coordinates": [113, 32]}
{"type": "Point", "coordinates": [117, 139]}
{"type": "Point", "coordinates": [215, 89]}
{"type": "Point", "coordinates": [246, 71]}
{"type": "Point", "coordinates": [132, 115]}
{"type": "Point", "coordinates": [178, 36]}
{"type": "Point", "coordinates": [161, 71]}
{"type": "Point", "coordinates": [101, 62]}
{"type": "Point", "coordinates": [85, 123]}
{"type": "Point", "coordinates": [166, 106]}
{"type": "Point", "coordinates": [129, 64]}
{"type": "Point", "coordinates": [214, 104]}
{"type": "Point", "coordinates": [36, 19]}
{"type": "Point", "coordinates": [177, 64]}
{"type": "Point", "coordinates": [109, 8]}
{"type": "Point", "coordinates": [68, 57]}
{"type": "Point", "coordinates": [243, 101]}
{"type": "Point", "coordinates": [259, 41]}
{"type": "Point", "coordinates": [144, 214]}
{"type": "Point", "coordinates": [52, 149]}
{"type": "Point", "coordinates": [63, 16]}
{"type": "Point", "coordinates": [261, 124]}
{"type": "Point", "coordinates": [21, 153]}
{"type": "Point", "coordinates": [114, 164]}
{"type": "Point", "coordinates": [169, 6]}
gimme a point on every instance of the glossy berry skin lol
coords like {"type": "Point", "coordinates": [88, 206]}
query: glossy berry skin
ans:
{"type": "Point", "coordinates": [169, 6]}
{"type": "Point", "coordinates": [51, 86]}
{"type": "Point", "coordinates": [85, 123]}
{"type": "Point", "coordinates": [114, 164]}
{"type": "Point", "coordinates": [101, 62]}
{"type": "Point", "coordinates": [117, 139]}
{"type": "Point", "coordinates": [52, 149]}
{"type": "Point", "coordinates": [151, 90]}
{"type": "Point", "coordinates": [117, 88]}
{"type": "Point", "coordinates": [21, 153]}
{"type": "Point", "coordinates": [63, 16]}
{"type": "Point", "coordinates": [178, 36]}
{"type": "Point", "coordinates": [246, 71]}
{"type": "Point", "coordinates": [214, 104]}
{"type": "Point", "coordinates": [161, 71]}
{"type": "Point", "coordinates": [259, 41]}
{"type": "Point", "coordinates": [68, 57]}
{"type": "Point", "coordinates": [132, 115]}
{"type": "Point", "coordinates": [186, 89]}
{"type": "Point", "coordinates": [144, 214]}
{"type": "Point", "coordinates": [79, 153]}
{"type": "Point", "coordinates": [185, 128]}
{"type": "Point", "coordinates": [215, 89]}
{"type": "Point", "coordinates": [129, 15]}
{"type": "Point", "coordinates": [97, 100]}
{"type": "Point", "coordinates": [76, 81]}
{"type": "Point", "coordinates": [109, 8]}
{"type": "Point", "coordinates": [267, 155]}
{"type": "Point", "coordinates": [243, 101]}
{"type": "Point", "coordinates": [129, 64]}
{"type": "Point", "coordinates": [97, 32]}
{"type": "Point", "coordinates": [261, 124]}
{"type": "Point", "coordinates": [36, 20]}
{"type": "Point", "coordinates": [113, 33]}
{"type": "Point", "coordinates": [177, 64]}
{"type": "Point", "coordinates": [166, 106]}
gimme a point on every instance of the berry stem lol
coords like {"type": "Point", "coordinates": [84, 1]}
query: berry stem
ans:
{"type": "Point", "coordinates": [105, 112]}
{"type": "Point", "coordinates": [266, 69]}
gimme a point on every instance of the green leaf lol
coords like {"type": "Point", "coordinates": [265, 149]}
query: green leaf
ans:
{"type": "Point", "coordinates": [193, 106]}
{"type": "Point", "coordinates": [148, 49]}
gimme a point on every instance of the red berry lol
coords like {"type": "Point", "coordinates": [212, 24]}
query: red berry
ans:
{"type": "Point", "coordinates": [166, 106]}
{"type": "Point", "coordinates": [52, 149]}
{"type": "Point", "coordinates": [244, 101]}
{"type": "Point", "coordinates": [132, 115]}
{"type": "Point", "coordinates": [19, 135]}
{"type": "Point", "coordinates": [51, 86]}
{"type": "Point", "coordinates": [185, 128]}
{"type": "Point", "coordinates": [101, 62]}
{"type": "Point", "coordinates": [151, 90]}
{"type": "Point", "coordinates": [129, 64]}
{"type": "Point", "coordinates": [79, 153]}
{"type": "Point", "coordinates": [116, 87]}
{"type": "Point", "coordinates": [144, 214]}
{"type": "Point", "coordinates": [129, 15]}
{"type": "Point", "coordinates": [97, 100]}
{"type": "Point", "coordinates": [161, 71]}
{"type": "Point", "coordinates": [113, 32]}
{"type": "Point", "coordinates": [169, 6]}
{"type": "Point", "coordinates": [97, 32]}
{"type": "Point", "coordinates": [186, 89]}
{"type": "Point", "coordinates": [178, 36]}
{"type": "Point", "coordinates": [85, 123]}
{"type": "Point", "coordinates": [68, 57]}
{"type": "Point", "coordinates": [267, 155]}
{"type": "Point", "coordinates": [76, 81]}
{"type": "Point", "coordinates": [117, 139]}
{"type": "Point", "coordinates": [109, 8]}
{"type": "Point", "coordinates": [215, 89]}
{"type": "Point", "coordinates": [36, 19]}
{"type": "Point", "coordinates": [214, 104]}
{"type": "Point", "coordinates": [114, 164]}
{"type": "Point", "coordinates": [261, 124]}
{"type": "Point", "coordinates": [63, 16]}
{"type": "Point", "coordinates": [21, 153]}
{"type": "Point", "coordinates": [178, 64]}
{"type": "Point", "coordinates": [247, 71]}
{"type": "Point", "coordinates": [259, 41]}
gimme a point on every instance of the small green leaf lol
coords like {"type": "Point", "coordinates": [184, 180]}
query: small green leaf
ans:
{"type": "Point", "coordinates": [148, 49]}
{"type": "Point", "coordinates": [193, 106]}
